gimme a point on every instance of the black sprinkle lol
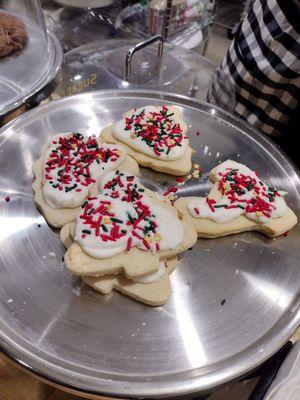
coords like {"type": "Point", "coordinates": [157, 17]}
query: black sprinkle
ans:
{"type": "Point", "coordinates": [223, 302]}
{"type": "Point", "coordinates": [190, 248]}
{"type": "Point", "coordinates": [63, 259]}
{"type": "Point", "coordinates": [39, 225]}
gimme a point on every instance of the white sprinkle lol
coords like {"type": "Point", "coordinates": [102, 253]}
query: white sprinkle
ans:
{"type": "Point", "coordinates": [51, 254]}
{"type": "Point", "coordinates": [273, 252]}
{"type": "Point", "coordinates": [206, 148]}
{"type": "Point", "coordinates": [217, 155]}
{"type": "Point", "coordinates": [144, 323]}
{"type": "Point", "coordinates": [237, 271]}
{"type": "Point", "coordinates": [235, 244]}
{"type": "Point", "coordinates": [238, 155]}
{"type": "Point", "coordinates": [9, 301]}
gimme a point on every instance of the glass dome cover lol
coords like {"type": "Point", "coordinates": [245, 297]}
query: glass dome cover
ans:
{"type": "Point", "coordinates": [101, 65]}
{"type": "Point", "coordinates": [30, 56]}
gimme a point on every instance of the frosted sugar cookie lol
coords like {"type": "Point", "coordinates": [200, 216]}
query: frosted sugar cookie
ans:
{"type": "Point", "coordinates": [156, 137]}
{"type": "Point", "coordinates": [125, 229]}
{"type": "Point", "coordinates": [152, 289]}
{"type": "Point", "coordinates": [239, 201]}
{"type": "Point", "coordinates": [68, 172]}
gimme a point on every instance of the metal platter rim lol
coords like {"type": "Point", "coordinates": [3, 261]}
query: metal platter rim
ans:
{"type": "Point", "coordinates": [57, 61]}
{"type": "Point", "coordinates": [243, 361]}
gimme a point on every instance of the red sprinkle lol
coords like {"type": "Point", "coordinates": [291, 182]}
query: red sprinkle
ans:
{"type": "Point", "coordinates": [7, 199]}
{"type": "Point", "coordinates": [172, 189]}
{"type": "Point", "coordinates": [286, 233]}
{"type": "Point", "coordinates": [146, 244]}
{"type": "Point", "coordinates": [210, 203]}
{"type": "Point", "coordinates": [129, 243]}
{"type": "Point", "coordinates": [196, 210]}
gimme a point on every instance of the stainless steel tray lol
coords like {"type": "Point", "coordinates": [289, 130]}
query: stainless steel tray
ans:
{"type": "Point", "coordinates": [234, 302]}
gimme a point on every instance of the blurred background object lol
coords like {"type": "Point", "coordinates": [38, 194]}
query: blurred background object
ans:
{"type": "Point", "coordinates": [28, 71]}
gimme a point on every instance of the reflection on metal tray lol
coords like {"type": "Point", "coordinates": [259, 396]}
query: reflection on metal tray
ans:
{"type": "Point", "coordinates": [234, 300]}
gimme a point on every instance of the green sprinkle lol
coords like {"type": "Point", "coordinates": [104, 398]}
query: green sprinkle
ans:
{"type": "Point", "coordinates": [117, 220]}
{"type": "Point", "coordinates": [242, 207]}
{"type": "Point", "coordinates": [220, 205]}
{"type": "Point", "coordinates": [104, 227]}
{"type": "Point", "coordinates": [141, 190]}
{"type": "Point", "coordinates": [68, 189]}
{"type": "Point", "coordinates": [130, 218]}
{"type": "Point", "coordinates": [91, 211]}
{"type": "Point", "coordinates": [87, 231]}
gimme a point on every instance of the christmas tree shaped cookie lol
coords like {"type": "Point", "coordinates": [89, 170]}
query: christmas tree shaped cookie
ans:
{"type": "Point", "coordinates": [239, 201]}
{"type": "Point", "coordinates": [153, 289]}
{"type": "Point", "coordinates": [156, 137]}
{"type": "Point", "coordinates": [125, 229]}
{"type": "Point", "coordinates": [68, 172]}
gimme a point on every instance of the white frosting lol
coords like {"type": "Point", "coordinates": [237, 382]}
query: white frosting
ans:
{"type": "Point", "coordinates": [129, 137]}
{"type": "Point", "coordinates": [227, 209]}
{"type": "Point", "coordinates": [56, 198]}
{"type": "Point", "coordinates": [92, 244]}
{"type": "Point", "coordinates": [154, 276]}
{"type": "Point", "coordinates": [169, 227]}
{"type": "Point", "coordinates": [160, 228]}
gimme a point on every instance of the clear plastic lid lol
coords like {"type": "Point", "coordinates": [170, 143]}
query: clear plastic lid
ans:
{"type": "Point", "coordinates": [102, 65]}
{"type": "Point", "coordinates": [29, 56]}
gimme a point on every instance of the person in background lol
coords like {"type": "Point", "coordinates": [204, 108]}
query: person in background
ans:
{"type": "Point", "coordinates": [263, 66]}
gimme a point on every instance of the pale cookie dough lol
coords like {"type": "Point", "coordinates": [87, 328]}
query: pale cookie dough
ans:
{"type": "Point", "coordinates": [176, 162]}
{"type": "Point", "coordinates": [133, 209]}
{"type": "Point", "coordinates": [133, 263]}
{"type": "Point", "coordinates": [226, 213]}
{"type": "Point", "coordinates": [153, 289]}
{"type": "Point", "coordinates": [154, 293]}
{"type": "Point", "coordinates": [58, 217]}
